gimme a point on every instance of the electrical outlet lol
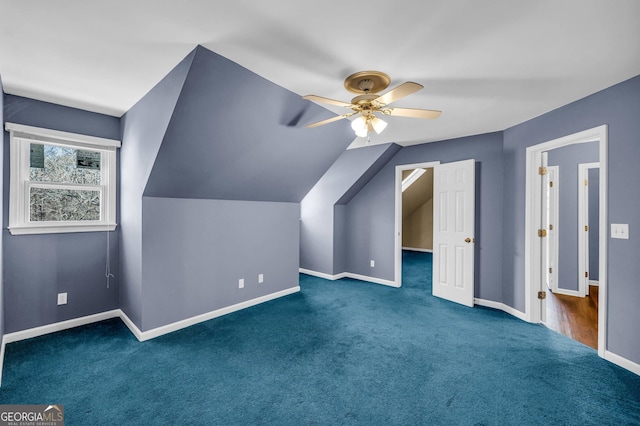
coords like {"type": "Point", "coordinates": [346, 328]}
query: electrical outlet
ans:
{"type": "Point", "coordinates": [373, 263]}
{"type": "Point", "coordinates": [260, 278]}
{"type": "Point", "coordinates": [620, 230]}
{"type": "Point", "coordinates": [241, 283]}
{"type": "Point", "coordinates": [62, 298]}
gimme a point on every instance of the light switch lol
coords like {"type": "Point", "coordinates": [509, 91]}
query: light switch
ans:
{"type": "Point", "coordinates": [620, 230]}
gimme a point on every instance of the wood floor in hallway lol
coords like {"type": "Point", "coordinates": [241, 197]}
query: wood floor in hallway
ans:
{"type": "Point", "coordinates": [575, 317]}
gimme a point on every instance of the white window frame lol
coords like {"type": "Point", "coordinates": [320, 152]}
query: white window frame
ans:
{"type": "Point", "coordinates": [21, 137]}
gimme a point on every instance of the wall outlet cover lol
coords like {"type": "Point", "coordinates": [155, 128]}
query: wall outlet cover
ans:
{"type": "Point", "coordinates": [62, 298]}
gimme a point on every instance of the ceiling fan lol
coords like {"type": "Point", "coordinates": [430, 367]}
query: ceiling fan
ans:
{"type": "Point", "coordinates": [369, 102]}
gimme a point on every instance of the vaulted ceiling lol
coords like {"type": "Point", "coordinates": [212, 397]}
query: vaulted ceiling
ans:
{"type": "Point", "coordinates": [487, 64]}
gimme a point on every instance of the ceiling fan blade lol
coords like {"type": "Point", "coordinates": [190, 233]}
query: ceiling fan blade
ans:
{"type": "Point", "coordinates": [415, 113]}
{"type": "Point", "coordinates": [315, 98]}
{"type": "Point", "coordinates": [329, 120]}
{"type": "Point", "coordinates": [399, 92]}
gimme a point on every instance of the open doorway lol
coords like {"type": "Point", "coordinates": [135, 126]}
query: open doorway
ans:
{"type": "Point", "coordinates": [453, 229]}
{"type": "Point", "coordinates": [412, 205]}
{"type": "Point", "coordinates": [571, 308]}
{"type": "Point", "coordinates": [572, 280]}
{"type": "Point", "coordinates": [417, 229]}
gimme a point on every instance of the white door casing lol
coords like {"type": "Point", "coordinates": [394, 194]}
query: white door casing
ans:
{"type": "Point", "coordinates": [453, 231]}
{"type": "Point", "coordinates": [552, 225]}
{"type": "Point", "coordinates": [583, 227]}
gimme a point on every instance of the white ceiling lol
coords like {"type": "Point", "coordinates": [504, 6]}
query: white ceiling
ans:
{"type": "Point", "coordinates": [487, 64]}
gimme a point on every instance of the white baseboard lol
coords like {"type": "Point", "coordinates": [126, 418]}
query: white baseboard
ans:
{"type": "Point", "coordinates": [500, 306]}
{"type": "Point", "coordinates": [348, 275]}
{"type": "Point", "coordinates": [622, 362]}
{"type": "Point", "coordinates": [567, 292]}
{"type": "Point", "coordinates": [52, 328]}
{"type": "Point", "coordinates": [169, 328]}
{"type": "Point", "coordinates": [418, 249]}
{"type": "Point", "coordinates": [59, 326]}
{"type": "Point", "coordinates": [140, 335]}
{"type": "Point", "coordinates": [594, 283]}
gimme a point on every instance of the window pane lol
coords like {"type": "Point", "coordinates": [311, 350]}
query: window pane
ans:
{"type": "Point", "coordinates": [56, 205]}
{"type": "Point", "coordinates": [50, 163]}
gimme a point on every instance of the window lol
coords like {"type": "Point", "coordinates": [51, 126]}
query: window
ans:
{"type": "Point", "coordinates": [60, 182]}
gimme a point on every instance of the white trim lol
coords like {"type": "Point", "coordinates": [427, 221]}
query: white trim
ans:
{"type": "Point", "coordinates": [594, 283]}
{"type": "Point", "coordinates": [566, 292]}
{"type": "Point", "coordinates": [583, 220]}
{"type": "Point", "coordinates": [397, 267]}
{"type": "Point", "coordinates": [348, 275]}
{"type": "Point", "coordinates": [179, 325]}
{"type": "Point", "coordinates": [418, 249]}
{"type": "Point", "coordinates": [533, 219]}
{"type": "Point", "coordinates": [321, 274]}
{"type": "Point", "coordinates": [59, 326]}
{"type": "Point", "coordinates": [24, 131]}
{"type": "Point", "coordinates": [48, 229]}
{"type": "Point", "coordinates": [501, 307]}
{"type": "Point", "coordinates": [19, 182]}
{"type": "Point", "coordinates": [622, 362]}
{"type": "Point", "coordinates": [140, 335]}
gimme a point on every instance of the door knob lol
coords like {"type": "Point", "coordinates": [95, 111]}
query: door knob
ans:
{"type": "Point", "coordinates": [467, 240]}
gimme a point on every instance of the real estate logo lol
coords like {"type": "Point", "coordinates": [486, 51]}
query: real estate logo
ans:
{"type": "Point", "coordinates": [31, 415]}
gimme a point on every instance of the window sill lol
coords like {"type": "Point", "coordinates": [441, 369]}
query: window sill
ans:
{"type": "Point", "coordinates": [59, 229]}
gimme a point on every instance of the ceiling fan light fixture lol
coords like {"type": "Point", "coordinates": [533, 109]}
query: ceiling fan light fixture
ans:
{"type": "Point", "coordinates": [378, 124]}
{"type": "Point", "coordinates": [359, 125]}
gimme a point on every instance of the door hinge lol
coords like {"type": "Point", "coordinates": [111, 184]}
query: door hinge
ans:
{"type": "Point", "coordinates": [550, 184]}
{"type": "Point", "coordinates": [550, 227]}
{"type": "Point", "coordinates": [586, 228]}
{"type": "Point", "coordinates": [586, 274]}
{"type": "Point", "coordinates": [542, 295]}
{"type": "Point", "coordinates": [542, 171]}
{"type": "Point", "coordinates": [586, 182]}
{"type": "Point", "coordinates": [542, 233]}
{"type": "Point", "coordinates": [550, 270]}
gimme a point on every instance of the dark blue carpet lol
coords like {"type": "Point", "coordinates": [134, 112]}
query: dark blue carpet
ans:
{"type": "Point", "coordinates": [343, 352]}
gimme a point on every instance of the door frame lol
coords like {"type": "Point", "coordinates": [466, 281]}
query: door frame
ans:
{"type": "Point", "coordinates": [552, 244]}
{"type": "Point", "coordinates": [398, 214]}
{"type": "Point", "coordinates": [533, 218]}
{"type": "Point", "coordinates": [583, 220]}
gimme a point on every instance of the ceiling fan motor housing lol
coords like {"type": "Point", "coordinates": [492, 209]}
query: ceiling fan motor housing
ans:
{"type": "Point", "coordinates": [364, 82]}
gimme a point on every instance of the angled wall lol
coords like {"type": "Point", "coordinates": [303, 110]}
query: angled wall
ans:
{"type": "Point", "coordinates": [236, 136]}
{"type": "Point", "coordinates": [322, 243]}
{"type": "Point", "coordinates": [228, 162]}
{"type": "Point", "coordinates": [38, 267]}
{"type": "Point", "coordinates": [143, 129]}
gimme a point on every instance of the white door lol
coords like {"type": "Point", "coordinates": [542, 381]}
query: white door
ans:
{"type": "Point", "coordinates": [453, 231]}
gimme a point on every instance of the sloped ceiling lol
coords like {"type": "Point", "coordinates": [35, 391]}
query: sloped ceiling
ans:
{"type": "Point", "coordinates": [418, 193]}
{"type": "Point", "coordinates": [235, 136]}
{"type": "Point", "coordinates": [488, 65]}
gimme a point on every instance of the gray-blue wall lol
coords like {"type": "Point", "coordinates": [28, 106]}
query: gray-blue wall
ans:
{"type": "Point", "coordinates": [195, 251]}
{"type": "Point", "coordinates": [237, 136]}
{"type": "Point", "coordinates": [619, 108]}
{"type": "Point", "coordinates": [567, 159]}
{"type": "Point", "coordinates": [1, 209]}
{"type": "Point", "coordinates": [213, 130]}
{"type": "Point", "coordinates": [37, 267]}
{"type": "Point", "coordinates": [322, 233]}
{"type": "Point", "coordinates": [594, 224]}
{"type": "Point", "coordinates": [371, 213]}
{"type": "Point", "coordinates": [143, 128]}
